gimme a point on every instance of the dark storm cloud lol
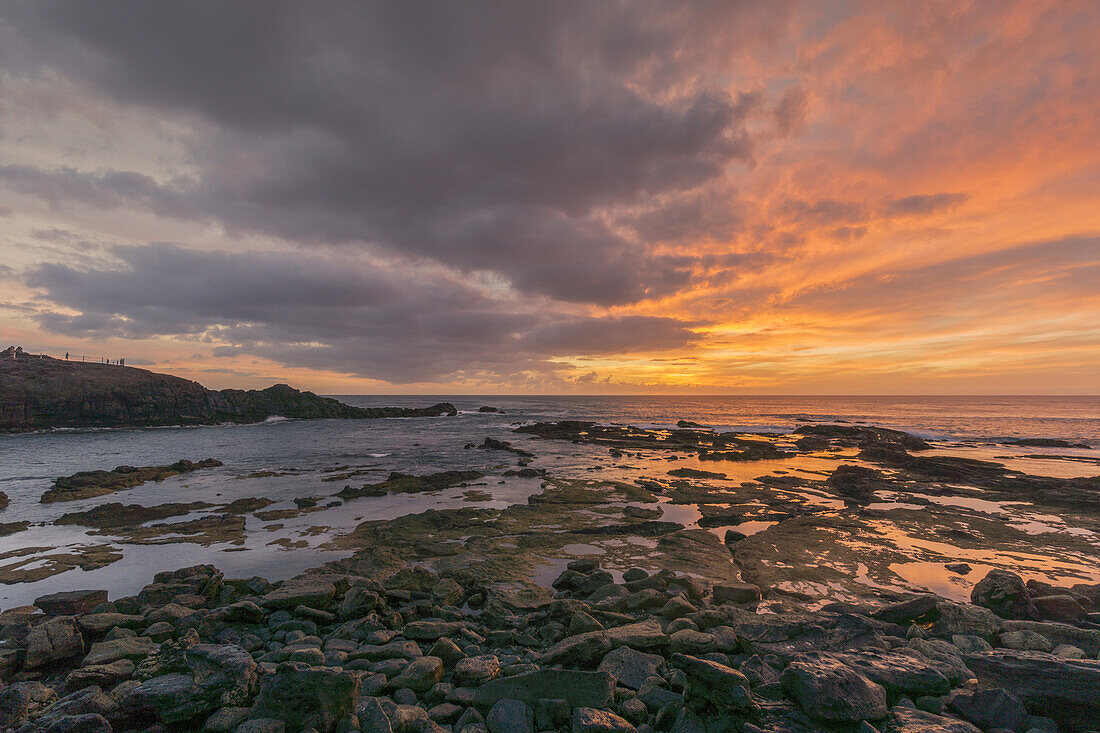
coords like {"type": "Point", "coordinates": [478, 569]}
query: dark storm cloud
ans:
{"type": "Point", "coordinates": [103, 190]}
{"type": "Point", "coordinates": [500, 136]}
{"type": "Point", "coordinates": [398, 325]}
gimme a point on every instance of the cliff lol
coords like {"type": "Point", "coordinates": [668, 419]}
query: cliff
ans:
{"type": "Point", "coordinates": [38, 393]}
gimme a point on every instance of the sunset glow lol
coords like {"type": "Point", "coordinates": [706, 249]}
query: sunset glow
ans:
{"type": "Point", "coordinates": [655, 198]}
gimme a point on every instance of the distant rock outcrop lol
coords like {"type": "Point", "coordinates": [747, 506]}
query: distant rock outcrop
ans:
{"type": "Point", "coordinates": [39, 393]}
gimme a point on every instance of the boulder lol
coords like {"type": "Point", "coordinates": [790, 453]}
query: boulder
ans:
{"type": "Point", "coordinates": [262, 725]}
{"type": "Point", "coordinates": [946, 653]}
{"type": "Point", "coordinates": [710, 684]}
{"type": "Point", "coordinates": [56, 640]}
{"type": "Point", "coordinates": [736, 593]}
{"type": "Point", "coordinates": [1062, 689]}
{"type": "Point", "coordinates": [359, 600]}
{"type": "Point", "coordinates": [991, 709]}
{"type": "Point", "coordinates": [133, 648]}
{"type": "Point", "coordinates": [688, 641]}
{"type": "Point", "coordinates": [428, 630]}
{"type": "Point", "coordinates": [372, 717]}
{"type": "Point", "coordinates": [1057, 633]}
{"type": "Point", "coordinates": [510, 716]}
{"type": "Point", "coordinates": [419, 675]}
{"type": "Point", "coordinates": [631, 668]}
{"type": "Point", "coordinates": [398, 649]}
{"type": "Point", "coordinates": [216, 676]}
{"type": "Point", "coordinates": [1004, 593]}
{"type": "Point", "coordinates": [644, 635]}
{"type": "Point", "coordinates": [100, 675]}
{"type": "Point", "coordinates": [225, 720]}
{"type": "Point", "coordinates": [19, 699]}
{"type": "Point", "coordinates": [71, 603]}
{"type": "Point", "coordinates": [829, 690]}
{"type": "Point", "coordinates": [590, 720]}
{"type": "Point", "coordinates": [963, 618]}
{"type": "Point", "coordinates": [301, 592]}
{"type": "Point", "coordinates": [97, 624]}
{"type": "Point", "coordinates": [904, 612]}
{"type": "Point", "coordinates": [1059, 607]}
{"type": "Point", "coordinates": [912, 720]}
{"type": "Point", "coordinates": [474, 671]}
{"type": "Point", "coordinates": [84, 723]}
{"type": "Point", "coordinates": [580, 689]}
{"type": "Point", "coordinates": [448, 651]}
{"type": "Point", "coordinates": [90, 700]}
{"type": "Point", "coordinates": [902, 671]}
{"type": "Point", "coordinates": [307, 697]}
{"type": "Point", "coordinates": [580, 650]}
{"type": "Point", "coordinates": [1025, 640]}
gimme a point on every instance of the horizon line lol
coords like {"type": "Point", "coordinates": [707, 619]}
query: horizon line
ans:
{"type": "Point", "coordinates": [712, 394]}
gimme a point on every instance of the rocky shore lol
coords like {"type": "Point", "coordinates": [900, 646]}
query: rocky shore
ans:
{"type": "Point", "coordinates": [41, 393]}
{"type": "Point", "coordinates": [415, 651]}
{"type": "Point", "coordinates": [625, 601]}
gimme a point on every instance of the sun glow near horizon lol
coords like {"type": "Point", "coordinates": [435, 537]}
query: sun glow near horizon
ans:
{"type": "Point", "coordinates": [797, 198]}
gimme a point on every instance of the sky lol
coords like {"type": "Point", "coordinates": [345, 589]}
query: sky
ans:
{"type": "Point", "coordinates": [558, 197]}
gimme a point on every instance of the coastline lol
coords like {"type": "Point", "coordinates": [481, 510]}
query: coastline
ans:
{"type": "Point", "coordinates": [735, 569]}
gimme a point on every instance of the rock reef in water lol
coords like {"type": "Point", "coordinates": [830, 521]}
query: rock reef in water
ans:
{"type": "Point", "coordinates": [403, 483]}
{"type": "Point", "coordinates": [39, 393]}
{"type": "Point", "coordinates": [86, 484]}
{"type": "Point", "coordinates": [710, 446]}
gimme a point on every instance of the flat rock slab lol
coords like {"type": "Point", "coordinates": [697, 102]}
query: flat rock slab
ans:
{"type": "Point", "coordinates": [71, 603]}
{"type": "Point", "coordinates": [314, 594]}
{"type": "Point", "coordinates": [1088, 640]}
{"type": "Point", "coordinates": [828, 689]}
{"type": "Point", "coordinates": [1067, 690]}
{"type": "Point", "coordinates": [580, 689]}
{"type": "Point", "coordinates": [902, 672]}
{"type": "Point", "coordinates": [101, 623]}
{"type": "Point", "coordinates": [631, 667]}
{"type": "Point", "coordinates": [133, 647]}
{"type": "Point", "coordinates": [911, 720]}
{"type": "Point", "coordinates": [54, 641]}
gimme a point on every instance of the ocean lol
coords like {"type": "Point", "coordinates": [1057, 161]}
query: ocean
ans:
{"type": "Point", "coordinates": [308, 452]}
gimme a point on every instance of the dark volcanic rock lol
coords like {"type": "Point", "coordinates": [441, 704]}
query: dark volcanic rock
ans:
{"type": "Point", "coordinates": [581, 689]}
{"type": "Point", "coordinates": [86, 484]}
{"type": "Point", "coordinates": [38, 393]}
{"type": "Point", "coordinates": [863, 437]}
{"type": "Point", "coordinates": [7, 528]}
{"type": "Point", "coordinates": [994, 478]}
{"type": "Point", "coordinates": [827, 689]}
{"type": "Point", "coordinates": [858, 484]}
{"type": "Point", "coordinates": [307, 697]}
{"type": "Point", "coordinates": [695, 473]}
{"type": "Point", "coordinates": [991, 709]}
{"type": "Point", "coordinates": [709, 445]}
{"type": "Point", "coordinates": [912, 720]}
{"type": "Point", "coordinates": [1046, 443]}
{"type": "Point", "coordinates": [1003, 593]}
{"type": "Point", "coordinates": [119, 515]}
{"type": "Point", "coordinates": [1063, 689]}
{"type": "Point", "coordinates": [70, 603]}
{"type": "Point", "coordinates": [403, 483]}
{"type": "Point", "coordinates": [504, 445]}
